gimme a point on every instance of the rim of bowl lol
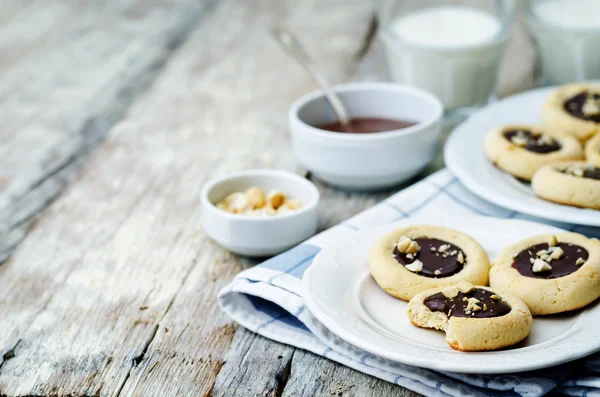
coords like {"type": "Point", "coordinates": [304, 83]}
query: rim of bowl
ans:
{"type": "Point", "coordinates": [437, 114]}
{"type": "Point", "coordinates": [534, 19]}
{"type": "Point", "coordinates": [208, 186]}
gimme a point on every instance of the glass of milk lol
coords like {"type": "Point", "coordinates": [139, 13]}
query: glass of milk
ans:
{"type": "Point", "coordinates": [567, 34]}
{"type": "Point", "coordinates": [450, 48]}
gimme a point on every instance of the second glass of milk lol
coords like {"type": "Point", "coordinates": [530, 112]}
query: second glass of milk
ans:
{"type": "Point", "coordinates": [567, 34]}
{"type": "Point", "coordinates": [450, 48]}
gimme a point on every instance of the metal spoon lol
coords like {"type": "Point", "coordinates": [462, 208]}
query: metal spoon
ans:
{"type": "Point", "coordinates": [290, 43]}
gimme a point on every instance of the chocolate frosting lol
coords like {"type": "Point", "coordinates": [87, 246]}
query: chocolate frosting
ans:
{"type": "Point", "coordinates": [592, 173]}
{"type": "Point", "coordinates": [457, 306]}
{"type": "Point", "coordinates": [574, 106]}
{"type": "Point", "coordinates": [534, 143]}
{"type": "Point", "coordinates": [560, 267]}
{"type": "Point", "coordinates": [433, 260]}
{"type": "Point", "coordinates": [582, 171]}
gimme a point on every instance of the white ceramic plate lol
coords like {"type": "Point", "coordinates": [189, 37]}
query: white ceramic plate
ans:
{"type": "Point", "coordinates": [464, 156]}
{"type": "Point", "coordinates": [342, 295]}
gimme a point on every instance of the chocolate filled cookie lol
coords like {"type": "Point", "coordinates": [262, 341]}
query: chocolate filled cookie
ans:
{"type": "Point", "coordinates": [570, 183]}
{"type": "Point", "coordinates": [413, 259]}
{"type": "Point", "coordinates": [550, 273]}
{"type": "Point", "coordinates": [474, 318]}
{"type": "Point", "coordinates": [573, 109]}
{"type": "Point", "coordinates": [592, 151]}
{"type": "Point", "coordinates": [521, 150]}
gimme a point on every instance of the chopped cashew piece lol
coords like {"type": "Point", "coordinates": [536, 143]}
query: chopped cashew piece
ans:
{"type": "Point", "coordinates": [580, 261]}
{"type": "Point", "coordinates": [293, 204]}
{"type": "Point", "coordinates": [519, 141]}
{"type": "Point", "coordinates": [450, 292]}
{"type": "Point", "coordinates": [553, 241]}
{"type": "Point", "coordinates": [465, 286]}
{"type": "Point", "coordinates": [557, 253]}
{"type": "Point", "coordinates": [540, 266]}
{"type": "Point", "coordinates": [590, 107]}
{"type": "Point", "coordinates": [403, 243]}
{"type": "Point", "coordinates": [574, 169]}
{"type": "Point", "coordinates": [254, 202]}
{"type": "Point", "coordinates": [472, 305]}
{"type": "Point", "coordinates": [415, 267]}
{"type": "Point", "coordinates": [413, 247]}
{"type": "Point", "coordinates": [236, 202]}
{"type": "Point", "coordinates": [407, 245]}
{"type": "Point", "coordinates": [275, 199]}
{"type": "Point", "coordinates": [443, 248]}
{"type": "Point", "coordinates": [256, 197]}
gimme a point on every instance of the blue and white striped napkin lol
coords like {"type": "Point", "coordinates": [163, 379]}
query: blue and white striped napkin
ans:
{"type": "Point", "coordinates": [267, 300]}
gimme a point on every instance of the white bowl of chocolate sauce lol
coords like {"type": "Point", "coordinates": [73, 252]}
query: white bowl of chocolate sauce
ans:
{"type": "Point", "coordinates": [393, 135]}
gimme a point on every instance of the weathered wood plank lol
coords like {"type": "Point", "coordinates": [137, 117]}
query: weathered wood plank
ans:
{"type": "Point", "coordinates": [351, 23]}
{"type": "Point", "coordinates": [312, 375]}
{"type": "Point", "coordinates": [254, 366]}
{"type": "Point", "coordinates": [113, 290]}
{"type": "Point", "coordinates": [68, 72]}
{"type": "Point", "coordinates": [85, 302]}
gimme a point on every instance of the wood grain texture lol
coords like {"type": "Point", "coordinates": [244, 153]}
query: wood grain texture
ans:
{"type": "Point", "coordinates": [68, 71]}
{"type": "Point", "coordinates": [113, 290]}
{"type": "Point", "coordinates": [273, 150]}
{"type": "Point", "coordinates": [254, 366]}
{"type": "Point", "coordinates": [311, 375]}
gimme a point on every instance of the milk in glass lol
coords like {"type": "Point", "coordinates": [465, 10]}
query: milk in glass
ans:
{"type": "Point", "coordinates": [453, 51]}
{"type": "Point", "coordinates": [567, 33]}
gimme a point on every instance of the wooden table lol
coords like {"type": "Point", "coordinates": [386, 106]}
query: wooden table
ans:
{"type": "Point", "coordinates": [112, 116]}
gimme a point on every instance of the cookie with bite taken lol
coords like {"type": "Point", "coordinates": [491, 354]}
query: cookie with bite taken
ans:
{"type": "Point", "coordinates": [474, 318]}
{"type": "Point", "coordinates": [550, 273]}
{"type": "Point", "coordinates": [410, 260]}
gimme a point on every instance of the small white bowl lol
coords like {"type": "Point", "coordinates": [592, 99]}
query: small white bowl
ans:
{"type": "Point", "coordinates": [373, 160]}
{"type": "Point", "coordinates": [255, 235]}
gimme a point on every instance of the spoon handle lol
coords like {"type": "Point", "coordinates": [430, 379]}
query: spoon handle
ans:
{"type": "Point", "coordinates": [294, 48]}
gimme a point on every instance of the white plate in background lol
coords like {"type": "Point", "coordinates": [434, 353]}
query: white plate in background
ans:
{"type": "Point", "coordinates": [464, 156]}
